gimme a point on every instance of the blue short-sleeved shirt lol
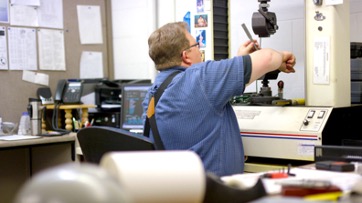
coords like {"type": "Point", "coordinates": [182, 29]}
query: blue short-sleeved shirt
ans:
{"type": "Point", "coordinates": [194, 112]}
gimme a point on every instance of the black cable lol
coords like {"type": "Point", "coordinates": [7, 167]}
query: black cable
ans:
{"type": "Point", "coordinates": [55, 120]}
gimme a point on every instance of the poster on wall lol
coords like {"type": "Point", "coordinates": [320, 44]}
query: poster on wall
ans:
{"type": "Point", "coordinates": [201, 38]}
{"type": "Point", "coordinates": [201, 20]}
{"type": "Point", "coordinates": [202, 55]}
{"type": "Point", "coordinates": [203, 6]}
{"type": "Point", "coordinates": [200, 6]}
{"type": "Point", "coordinates": [196, 13]}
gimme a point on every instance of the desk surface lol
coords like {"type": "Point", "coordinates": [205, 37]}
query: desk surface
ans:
{"type": "Point", "coordinates": [344, 180]}
{"type": "Point", "coordinates": [38, 141]}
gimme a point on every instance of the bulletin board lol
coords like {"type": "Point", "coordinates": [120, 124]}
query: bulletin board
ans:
{"type": "Point", "coordinates": [15, 92]}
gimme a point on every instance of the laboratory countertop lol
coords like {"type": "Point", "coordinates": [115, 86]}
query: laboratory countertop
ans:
{"type": "Point", "coordinates": [37, 141]}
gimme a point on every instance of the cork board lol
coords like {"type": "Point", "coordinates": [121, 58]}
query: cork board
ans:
{"type": "Point", "coordinates": [15, 92]}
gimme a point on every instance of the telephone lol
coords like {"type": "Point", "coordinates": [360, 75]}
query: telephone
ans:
{"type": "Point", "coordinates": [68, 92]}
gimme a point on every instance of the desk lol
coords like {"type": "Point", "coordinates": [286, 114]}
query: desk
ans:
{"type": "Point", "coordinates": [344, 180]}
{"type": "Point", "coordinates": [68, 114]}
{"type": "Point", "coordinates": [23, 158]}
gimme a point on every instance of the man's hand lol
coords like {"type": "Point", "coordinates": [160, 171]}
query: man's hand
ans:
{"type": "Point", "coordinates": [247, 48]}
{"type": "Point", "coordinates": [288, 63]}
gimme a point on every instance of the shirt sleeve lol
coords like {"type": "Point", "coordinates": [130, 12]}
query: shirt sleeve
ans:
{"type": "Point", "coordinates": [221, 80]}
{"type": "Point", "coordinates": [247, 68]}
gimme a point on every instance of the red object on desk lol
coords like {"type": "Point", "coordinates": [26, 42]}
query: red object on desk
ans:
{"type": "Point", "coordinates": [303, 191]}
{"type": "Point", "coordinates": [276, 175]}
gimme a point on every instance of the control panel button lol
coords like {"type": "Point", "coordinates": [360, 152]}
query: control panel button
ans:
{"type": "Point", "coordinates": [311, 114]}
{"type": "Point", "coordinates": [321, 114]}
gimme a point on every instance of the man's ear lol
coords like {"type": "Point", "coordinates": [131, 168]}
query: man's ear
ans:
{"type": "Point", "coordinates": [185, 59]}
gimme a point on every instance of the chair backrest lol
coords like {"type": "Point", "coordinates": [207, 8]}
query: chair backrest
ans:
{"type": "Point", "coordinates": [95, 141]}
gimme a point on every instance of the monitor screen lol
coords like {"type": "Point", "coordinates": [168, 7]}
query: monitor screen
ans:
{"type": "Point", "coordinates": [131, 108]}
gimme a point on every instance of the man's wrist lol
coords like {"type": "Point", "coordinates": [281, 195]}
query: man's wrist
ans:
{"type": "Point", "coordinates": [281, 68]}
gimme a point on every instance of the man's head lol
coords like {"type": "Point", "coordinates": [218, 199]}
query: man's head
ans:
{"type": "Point", "coordinates": [172, 45]}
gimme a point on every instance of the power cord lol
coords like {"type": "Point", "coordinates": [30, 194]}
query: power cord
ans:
{"type": "Point", "coordinates": [55, 120]}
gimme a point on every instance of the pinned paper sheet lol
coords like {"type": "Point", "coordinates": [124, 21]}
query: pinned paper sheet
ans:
{"type": "Point", "coordinates": [90, 28]}
{"type": "Point", "coordinates": [91, 65]}
{"type": "Point", "coordinates": [158, 176]}
{"type": "Point", "coordinates": [38, 78]}
{"type": "Point", "coordinates": [333, 2]}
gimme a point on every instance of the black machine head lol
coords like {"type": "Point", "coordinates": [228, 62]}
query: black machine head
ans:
{"type": "Point", "coordinates": [264, 23]}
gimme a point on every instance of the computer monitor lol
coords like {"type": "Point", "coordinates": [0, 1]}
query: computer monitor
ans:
{"type": "Point", "coordinates": [131, 108]}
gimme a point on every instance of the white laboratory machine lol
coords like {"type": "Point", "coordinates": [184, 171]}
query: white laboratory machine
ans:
{"type": "Point", "coordinates": [284, 134]}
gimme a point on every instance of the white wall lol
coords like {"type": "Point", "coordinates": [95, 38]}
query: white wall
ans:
{"type": "Point", "coordinates": [133, 21]}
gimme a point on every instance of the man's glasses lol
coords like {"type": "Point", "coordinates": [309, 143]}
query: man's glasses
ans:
{"type": "Point", "coordinates": [194, 45]}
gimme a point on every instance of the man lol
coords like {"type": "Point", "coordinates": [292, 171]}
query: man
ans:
{"type": "Point", "coordinates": [194, 111]}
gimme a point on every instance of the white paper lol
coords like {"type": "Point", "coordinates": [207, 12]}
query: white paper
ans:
{"type": "Point", "coordinates": [42, 79]}
{"type": "Point", "coordinates": [207, 4]}
{"type": "Point", "coordinates": [51, 49]}
{"type": "Point", "coordinates": [154, 176]}
{"type": "Point", "coordinates": [26, 2]}
{"type": "Point", "coordinates": [23, 15]}
{"type": "Point", "coordinates": [43, 13]}
{"type": "Point", "coordinates": [50, 14]}
{"type": "Point", "coordinates": [37, 78]}
{"type": "Point", "coordinates": [4, 11]}
{"type": "Point", "coordinates": [345, 181]}
{"type": "Point", "coordinates": [22, 48]}
{"type": "Point", "coordinates": [321, 72]}
{"type": "Point", "coordinates": [90, 28]}
{"type": "Point", "coordinates": [91, 65]}
{"type": "Point", "coordinates": [333, 2]}
{"type": "Point", "coordinates": [29, 76]}
{"type": "Point", "coordinates": [18, 137]}
{"type": "Point", "coordinates": [3, 50]}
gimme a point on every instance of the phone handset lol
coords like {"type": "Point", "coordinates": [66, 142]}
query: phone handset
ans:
{"type": "Point", "coordinates": [60, 90]}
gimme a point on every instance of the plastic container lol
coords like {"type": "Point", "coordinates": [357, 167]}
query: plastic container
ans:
{"type": "Point", "coordinates": [24, 125]}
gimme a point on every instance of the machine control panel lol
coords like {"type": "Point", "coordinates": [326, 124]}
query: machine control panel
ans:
{"type": "Point", "coordinates": [289, 132]}
{"type": "Point", "coordinates": [314, 120]}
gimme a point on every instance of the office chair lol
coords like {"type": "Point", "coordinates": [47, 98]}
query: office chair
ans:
{"type": "Point", "coordinates": [95, 141]}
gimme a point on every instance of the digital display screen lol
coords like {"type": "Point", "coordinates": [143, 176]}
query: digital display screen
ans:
{"type": "Point", "coordinates": [132, 109]}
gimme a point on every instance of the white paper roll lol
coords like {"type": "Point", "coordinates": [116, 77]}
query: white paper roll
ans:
{"type": "Point", "coordinates": [158, 176]}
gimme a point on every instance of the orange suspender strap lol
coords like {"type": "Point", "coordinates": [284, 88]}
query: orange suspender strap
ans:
{"type": "Point", "coordinates": [150, 118]}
